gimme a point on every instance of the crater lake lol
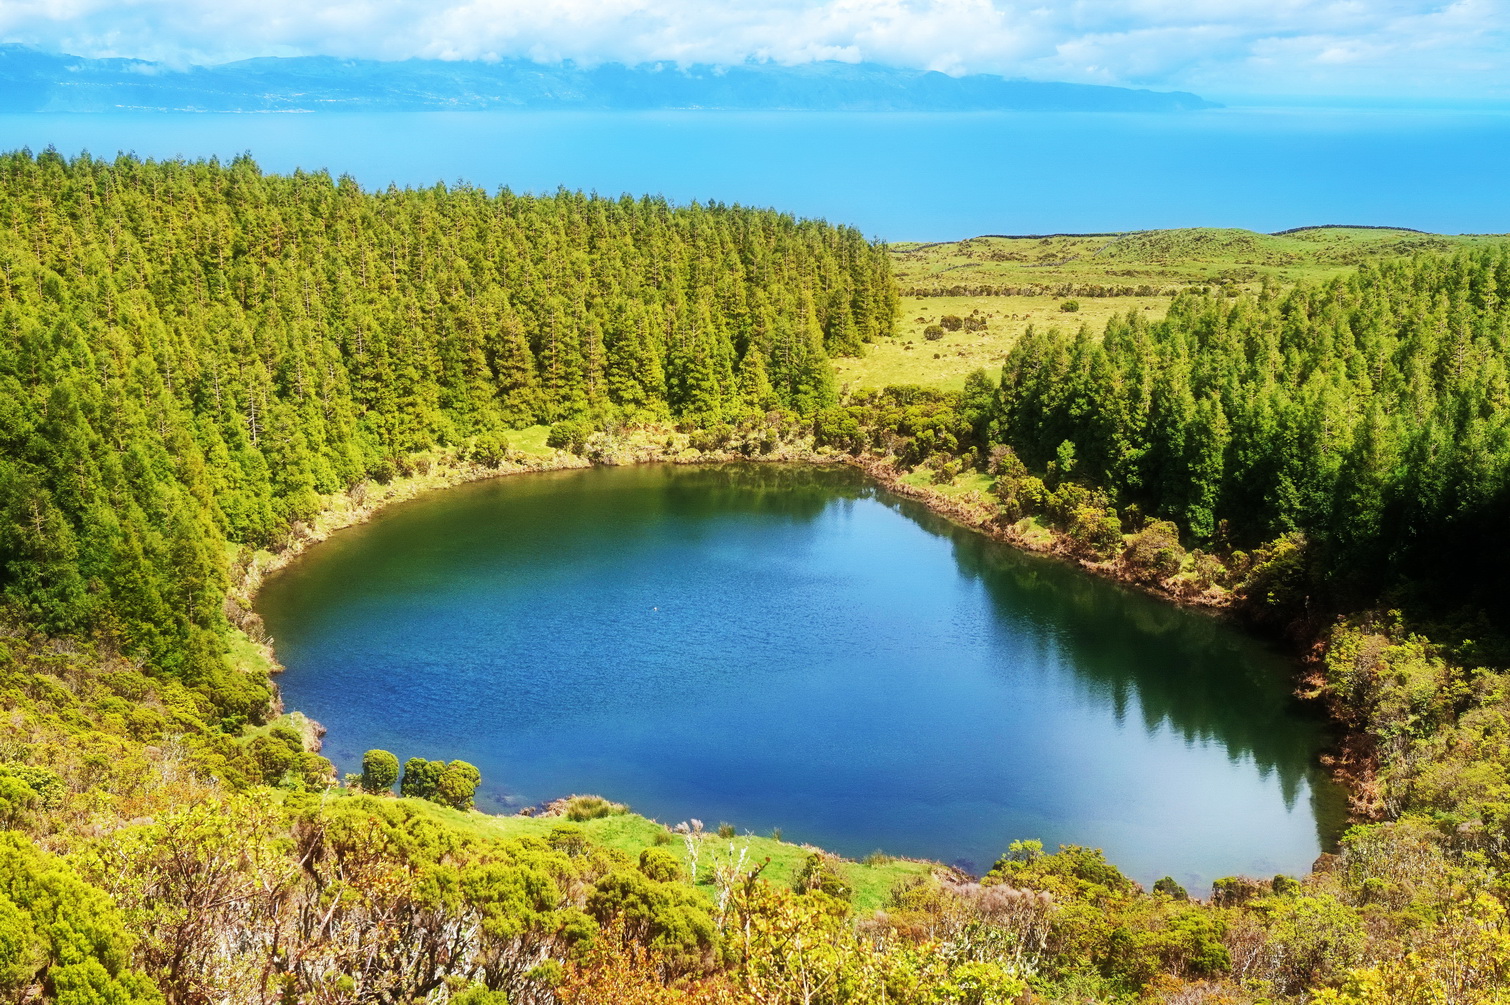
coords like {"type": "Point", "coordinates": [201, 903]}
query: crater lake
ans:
{"type": "Point", "coordinates": [791, 647]}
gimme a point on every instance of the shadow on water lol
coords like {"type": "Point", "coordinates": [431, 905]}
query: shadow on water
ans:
{"type": "Point", "coordinates": [1178, 668]}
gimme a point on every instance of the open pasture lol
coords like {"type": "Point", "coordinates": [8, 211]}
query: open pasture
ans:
{"type": "Point", "coordinates": [1155, 261]}
{"type": "Point", "coordinates": [911, 358]}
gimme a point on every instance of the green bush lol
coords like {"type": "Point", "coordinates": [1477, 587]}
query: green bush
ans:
{"type": "Point", "coordinates": [421, 778]}
{"type": "Point", "coordinates": [570, 434]}
{"type": "Point", "coordinates": [379, 771]}
{"type": "Point", "coordinates": [820, 872]}
{"type": "Point", "coordinates": [667, 917]}
{"type": "Point", "coordinates": [457, 786]}
{"type": "Point", "coordinates": [59, 931]}
{"type": "Point", "coordinates": [25, 789]}
{"type": "Point", "coordinates": [451, 784]}
{"type": "Point", "coordinates": [1155, 552]}
{"type": "Point", "coordinates": [489, 449]}
{"type": "Point", "coordinates": [660, 865]}
{"type": "Point", "coordinates": [587, 808]}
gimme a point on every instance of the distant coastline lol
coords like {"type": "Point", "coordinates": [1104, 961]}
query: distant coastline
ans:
{"type": "Point", "coordinates": [32, 80]}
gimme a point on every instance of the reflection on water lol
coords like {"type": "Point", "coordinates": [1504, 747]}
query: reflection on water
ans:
{"type": "Point", "coordinates": [1188, 671]}
{"type": "Point", "coordinates": [787, 646]}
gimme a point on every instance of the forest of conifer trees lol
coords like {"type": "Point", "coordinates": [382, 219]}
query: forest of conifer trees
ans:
{"type": "Point", "coordinates": [1368, 414]}
{"type": "Point", "coordinates": [192, 354]}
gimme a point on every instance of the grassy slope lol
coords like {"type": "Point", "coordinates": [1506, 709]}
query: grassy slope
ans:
{"type": "Point", "coordinates": [1166, 260]}
{"type": "Point", "coordinates": [1163, 258]}
{"type": "Point", "coordinates": [531, 440]}
{"type": "Point", "coordinates": [908, 358]}
{"type": "Point", "coordinates": [630, 833]}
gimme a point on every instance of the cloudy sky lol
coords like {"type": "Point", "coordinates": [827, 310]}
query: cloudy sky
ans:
{"type": "Point", "coordinates": [1221, 48]}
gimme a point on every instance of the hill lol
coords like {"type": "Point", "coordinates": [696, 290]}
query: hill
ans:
{"type": "Point", "coordinates": [1153, 262]}
{"type": "Point", "coordinates": [31, 80]}
{"type": "Point", "coordinates": [1014, 282]}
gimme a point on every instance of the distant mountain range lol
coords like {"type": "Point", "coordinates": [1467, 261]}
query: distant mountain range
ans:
{"type": "Point", "coordinates": [35, 81]}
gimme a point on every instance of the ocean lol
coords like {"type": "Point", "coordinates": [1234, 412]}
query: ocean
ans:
{"type": "Point", "coordinates": [896, 176]}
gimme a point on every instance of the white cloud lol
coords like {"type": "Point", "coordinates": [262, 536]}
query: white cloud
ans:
{"type": "Point", "coordinates": [1221, 46]}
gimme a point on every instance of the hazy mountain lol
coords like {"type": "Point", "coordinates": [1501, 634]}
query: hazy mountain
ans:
{"type": "Point", "coordinates": [32, 80]}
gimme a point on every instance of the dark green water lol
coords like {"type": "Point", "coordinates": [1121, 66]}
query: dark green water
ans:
{"type": "Point", "coordinates": [790, 647]}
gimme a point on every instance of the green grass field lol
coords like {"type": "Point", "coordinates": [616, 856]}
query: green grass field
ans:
{"type": "Point", "coordinates": [908, 358]}
{"type": "Point", "coordinates": [630, 833]}
{"type": "Point", "coordinates": [531, 440]}
{"type": "Point", "coordinates": [1144, 267]}
{"type": "Point", "coordinates": [1162, 260]}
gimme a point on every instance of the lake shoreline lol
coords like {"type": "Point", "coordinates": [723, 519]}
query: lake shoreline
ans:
{"type": "Point", "coordinates": [973, 513]}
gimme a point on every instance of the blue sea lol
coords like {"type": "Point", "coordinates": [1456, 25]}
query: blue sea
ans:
{"type": "Point", "coordinates": [899, 177]}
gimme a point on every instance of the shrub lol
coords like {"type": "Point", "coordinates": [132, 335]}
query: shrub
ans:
{"type": "Point", "coordinates": [569, 434]}
{"type": "Point", "coordinates": [379, 771]}
{"type": "Point", "coordinates": [660, 865]}
{"type": "Point", "coordinates": [1155, 550]}
{"type": "Point", "coordinates": [933, 333]}
{"type": "Point", "coordinates": [821, 872]}
{"type": "Point", "coordinates": [275, 756]}
{"type": "Point", "coordinates": [60, 933]}
{"type": "Point", "coordinates": [421, 778]}
{"type": "Point", "coordinates": [1070, 306]}
{"type": "Point", "coordinates": [946, 472]}
{"type": "Point", "coordinates": [569, 839]}
{"type": "Point", "coordinates": [1005, 463]}
{"type": "Point", "coordinates": [1206, 570]}
{"type": "Point", "coordinates": [1095, 531]}
{"type": "Point", "coordinates": [451, 784]}
{"type": "Point", "coordinates": [458, 784]}
{"type": "Point", "coordinates": [489, 449]}
{"type": "Point", "coordinates": [952, 322]}
{"type": "Point", "coordinates": [23, 789]}
{"type": "Point", "coordinates": [585, 808]}
{"type": "Point", "coordinates": [842, 428]}
{"type": "Point", "coordinates": [668, 918]}
{"type": "Point", "coordinates": [715, 436]}
{"type": "Point", "coordinates": [1277, 573]}
{"type": "Point", "coordinates": [1311, 940]}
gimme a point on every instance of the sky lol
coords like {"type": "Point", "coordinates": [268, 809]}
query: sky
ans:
{"type": "Point", "coordinates": [1362, 49]}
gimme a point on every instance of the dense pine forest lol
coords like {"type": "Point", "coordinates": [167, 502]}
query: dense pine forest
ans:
{"type": "Point", "coordinates": [1368, 414]}
{"type": "Point", "coordinates": [194, 354]}
{"type": "Point", "coordinates": [196, 359]}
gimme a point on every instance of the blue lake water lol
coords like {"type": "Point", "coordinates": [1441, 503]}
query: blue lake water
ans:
{"type": "Point", "coordinates": [895, 176]}
{"type": "Point", "coordinates": [788, 647]}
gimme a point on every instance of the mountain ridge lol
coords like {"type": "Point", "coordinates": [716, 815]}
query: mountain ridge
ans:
{"type": "Point", "coordinates": [32, 80]}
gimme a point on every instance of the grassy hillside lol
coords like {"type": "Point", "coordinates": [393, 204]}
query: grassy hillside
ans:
{"type": "Point", "coordinates": [871, 880]}
{"type": "Point", "coordinates": [1157, 261]}
{"type": "Point", "coordinates": [911, 358]}
{"type": "Point", "coordinates": [1015, 282]}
